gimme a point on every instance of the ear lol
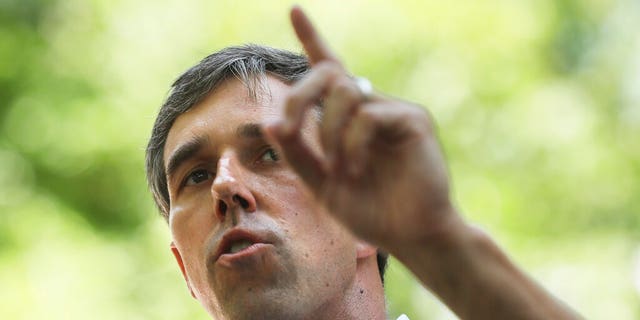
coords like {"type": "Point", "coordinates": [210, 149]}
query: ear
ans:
{"type": "Point", "coordinates": [365, 250]}
{"type": "Point", "coordinates": [178, 257]}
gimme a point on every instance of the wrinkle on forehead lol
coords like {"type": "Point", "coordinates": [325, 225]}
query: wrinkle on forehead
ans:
{"type": "Point", "coordinates": [256, 93]}
{"type": "Point", "coordinates": [232, 92]}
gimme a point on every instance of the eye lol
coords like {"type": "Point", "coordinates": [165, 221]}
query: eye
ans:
{"type": "Point", "coordinates": [197, 177]}
{"type": "Point", "coordinates": [270, 155]}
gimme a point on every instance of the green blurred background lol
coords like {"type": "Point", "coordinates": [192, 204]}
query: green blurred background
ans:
{"type": "Point", "coordinates": [538, 104]}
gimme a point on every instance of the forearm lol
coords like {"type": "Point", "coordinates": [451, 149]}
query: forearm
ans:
{"type": "Point", "coordinates": [467, 270]}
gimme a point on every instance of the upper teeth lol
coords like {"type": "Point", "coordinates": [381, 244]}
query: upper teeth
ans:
{"type": "Point", "coordinates": [239, 246]}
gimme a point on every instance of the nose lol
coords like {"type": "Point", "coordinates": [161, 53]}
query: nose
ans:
{"type": "Point", "coordinates": [229, 189]}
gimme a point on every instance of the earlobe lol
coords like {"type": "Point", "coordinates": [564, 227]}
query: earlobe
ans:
{"type": "Point", "coordinates": [365, 250]}
{"type": "Point", "coordinates": [178, 257]}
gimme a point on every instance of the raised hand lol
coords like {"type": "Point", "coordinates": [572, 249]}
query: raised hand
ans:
{"type": "Point", "coordinates": [381, 172]}
{"type": "Point", "coordinates": [380, 169]}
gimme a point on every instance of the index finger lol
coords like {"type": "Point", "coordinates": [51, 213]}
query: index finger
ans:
{"type": "Point", "coordinates": [313, 45]}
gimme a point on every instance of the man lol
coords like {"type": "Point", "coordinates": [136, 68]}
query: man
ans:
{"type": "Point", "coordinates": [284, 183]}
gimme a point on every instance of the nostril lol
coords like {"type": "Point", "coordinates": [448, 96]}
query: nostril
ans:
{"type": "Point", "coordinates": [222, 208]}
{"type": "Point", "coordinates": [243, 202]}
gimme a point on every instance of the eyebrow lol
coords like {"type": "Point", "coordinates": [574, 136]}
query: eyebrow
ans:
{"type": "Point", "coordinates": [185, 152]}
{"type": "Point", "coordinates": [249, 130]}
{"type": "Point", "coordinates": [193, 146]}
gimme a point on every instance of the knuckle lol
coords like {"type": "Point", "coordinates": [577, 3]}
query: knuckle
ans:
{"type": "Point", "coordinates": [420, 117]}
{"type": "Point", "coordinates": [422, 113]}
{"type": "Point", "coordinates": [344, 89]}
{"type": "Point", "coordinates": [341, 86]}
{"type": "Point", "coordinates": [367, 117]}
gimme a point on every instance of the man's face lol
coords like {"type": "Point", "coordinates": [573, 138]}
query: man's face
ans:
{"type": "Point", "coordinates": [251, 239]}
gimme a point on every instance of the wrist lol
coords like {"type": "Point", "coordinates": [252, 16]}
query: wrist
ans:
{"type": "Point", "coordinates": [450, 235]}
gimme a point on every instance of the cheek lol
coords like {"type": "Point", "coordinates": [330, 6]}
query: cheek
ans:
{"type": "Point", "coordinates": [324, 252]}
{"type": "Point", "coordinates": [190, 227]}
{"type": "Point", "coordinates": [192, 215]}
{"type": "Point", "coordinates": [190, 237]}
{"type": "Point", "coordinates": [288, 199]}
{"type": "Point", "coordinates": [313, 233]}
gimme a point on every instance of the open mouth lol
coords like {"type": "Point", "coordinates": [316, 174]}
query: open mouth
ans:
{"type": "Point", "coordinates": [239, 246]}
{"type": "Point", "coordinates": [238, 243]}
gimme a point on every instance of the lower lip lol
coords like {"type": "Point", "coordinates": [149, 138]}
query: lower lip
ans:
{"type": "Point", "coordinates": [229, 259]}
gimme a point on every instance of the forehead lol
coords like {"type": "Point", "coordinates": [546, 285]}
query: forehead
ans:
{"type": "Point", "coordinates": [226, 108]}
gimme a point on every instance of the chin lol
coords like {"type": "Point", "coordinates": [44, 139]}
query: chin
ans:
{"type": "Point", "coordinates": [262, 305]}
{"type": "Point", "coordinates": [267, 293]}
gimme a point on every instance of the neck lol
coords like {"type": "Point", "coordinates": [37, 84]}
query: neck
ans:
{"type": "Point", "coordinates": [364, 299]}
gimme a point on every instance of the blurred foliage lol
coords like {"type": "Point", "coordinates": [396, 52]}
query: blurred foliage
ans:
{"type": "Point", "coordinates": [538, 105]}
